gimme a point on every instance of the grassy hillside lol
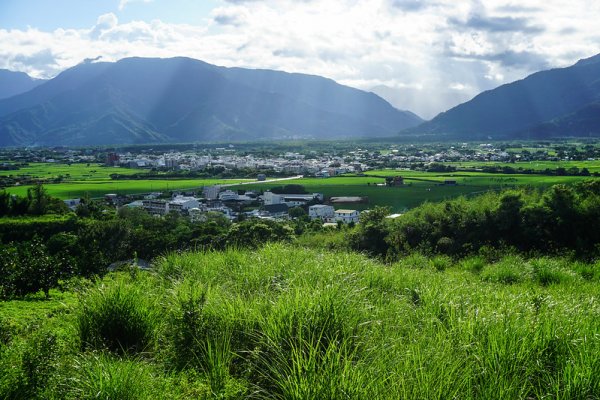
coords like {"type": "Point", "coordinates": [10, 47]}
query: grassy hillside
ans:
{"type": "Point", "coordinates": [286, 322]}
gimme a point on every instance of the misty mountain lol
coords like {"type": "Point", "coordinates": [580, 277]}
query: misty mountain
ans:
{"type": "Point", "coordinates": [14, 83]}
{"type": "Point", "coordinates": [142, 100]}
{"type": "Point", "coordinates": [557, 102]}
{"type": "Point", "coordinates": [420, 101]}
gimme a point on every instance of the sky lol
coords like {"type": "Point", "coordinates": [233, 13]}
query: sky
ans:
{"type": "Point", "coordinates": [422, 55]}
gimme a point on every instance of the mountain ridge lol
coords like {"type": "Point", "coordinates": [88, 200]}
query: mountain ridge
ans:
{"type": "Point", "coordinates": [519, 108]}
{"type": "Point", "coordinates": [182, 99]}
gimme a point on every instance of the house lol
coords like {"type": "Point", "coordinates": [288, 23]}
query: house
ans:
{"type": "Point", "coordinates": [276, 210]}
{"type": "Point", "coordinates": [321, 211]}
{"type": "Point", "coordinates": [211, 192]}
{"type": "Point", "coordinates": [180, 204]}
{"type": "Point", "coordinates": [270, 198]}
{"type": "Point", "coordinates": [292, 200]}
{"type": "Point", "coordinates": [72, 203]}
{"type": "Point", "coordinates": [228, 195]}
{"type": "Point", "coordinates": [347, 216]}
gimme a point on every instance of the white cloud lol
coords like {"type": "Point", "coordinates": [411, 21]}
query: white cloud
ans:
{"type": "Point", "coordinates": [421, 51]}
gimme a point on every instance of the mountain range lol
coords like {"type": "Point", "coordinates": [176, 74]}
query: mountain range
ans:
{"type": "Point", "coordinates": [150, 100]}
{"type": "Point", "coordinates": [557, 102]}
{"type": "Point", "coordinates": [146, 100]}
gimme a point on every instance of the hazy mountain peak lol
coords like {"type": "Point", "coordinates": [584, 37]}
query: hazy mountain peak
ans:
{"type": "Point", "coordinates": [13, 83]}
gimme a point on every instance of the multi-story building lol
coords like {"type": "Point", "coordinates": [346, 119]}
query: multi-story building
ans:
{"type": "Point", "coordinates": [347, 216]}
{"type": "Point", "coordinates": [211, 192]}
{"type": "Point", "coordinates": [180, 204]}
{"type": "Point", "coordinates": [321, 211]}
{"type": "Point", "coordinates": [228, 195]}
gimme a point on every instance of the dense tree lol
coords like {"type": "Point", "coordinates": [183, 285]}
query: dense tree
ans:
{"type": "Point", "coordinates": [370, 235]}
{"type": "Point", "coordinates": [27, 268]}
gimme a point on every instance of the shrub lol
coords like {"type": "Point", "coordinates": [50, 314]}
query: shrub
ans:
{"type": "Point", "coordinates": [548, 271]}
{"type": "Point", "coordinates": [441, 263]}
{"type": "Point", "coordinates": [118, 316]}
{"type": "Point", "coordinates": [473, 264]}
{"type": "Point", "coordinates": [509, 270]}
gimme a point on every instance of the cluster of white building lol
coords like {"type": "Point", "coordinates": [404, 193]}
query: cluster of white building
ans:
{"type": "Point", "coordinates": [273, 206]}
{"type": "Point", "coordinates": [292, 163]}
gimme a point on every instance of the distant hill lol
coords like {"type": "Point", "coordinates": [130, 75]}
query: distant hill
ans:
{"type": "Point", "coordinates": [142, 100]}
{"type": "Point", "coordinates": [14, 83]}
{"type": "Point", "coordinates": [558, 102]}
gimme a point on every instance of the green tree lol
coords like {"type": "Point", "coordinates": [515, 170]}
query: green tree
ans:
{"type": "Point", "coordinates": [371, 234]}
{"type": "Point", "coordinates": [297, 212]}
{"type": "Point", "coordinates": [38, 200]}
{"type": "Point", "coordinates": [27, 268]}
{"type": "Point", "coordinates": [4, 203]}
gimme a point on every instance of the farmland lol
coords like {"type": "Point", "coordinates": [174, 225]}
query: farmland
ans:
{"type": "Point", "coordinates": [99, 188]}
{"type": "Point", "coordinates": [419, 187]}
{"type": "Point", "coordinates": [592, 166]}
{"type": "Point", "coordinates": [72, 171]}
{"type": "Point", "coordinates": [78, 180]}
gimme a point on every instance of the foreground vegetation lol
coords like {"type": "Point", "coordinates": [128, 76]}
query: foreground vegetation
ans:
{"type": "Point", "coordinates": [494, 296]}
{"type": "Point", "coordinates": [285, 322]}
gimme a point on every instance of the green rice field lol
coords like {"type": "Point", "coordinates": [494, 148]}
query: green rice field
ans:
{"type": "Point", "coordinates": [592, 166]}
{"type": "Point", "coordinates": [74, 171]}
{"type": "Point", "coordinates": [94, 180]}
{"type": "Point", "coordinates": [419, 186]}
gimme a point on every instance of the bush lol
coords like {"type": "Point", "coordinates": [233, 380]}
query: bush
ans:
{"type": "Point", "coordinates": [548, 271]}
{"type": "Point", "coordinates": [509, 270]}
{"type": "Point", "coordinates": [27, 268]}
{"type": "Point", "coordinates": [118, 316]}
{"type": "Point", "coordinates": [441, 263]}
{"type": "Point", "coordinates": [473, 264]}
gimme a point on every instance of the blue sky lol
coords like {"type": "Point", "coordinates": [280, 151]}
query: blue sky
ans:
{"type": "Point", "coordinates": [54, 14]}
{"type": "Point", "coordinates": [422, 55]}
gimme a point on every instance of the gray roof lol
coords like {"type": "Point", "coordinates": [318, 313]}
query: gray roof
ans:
{"type": "Point", "coordinates": [276, 208]}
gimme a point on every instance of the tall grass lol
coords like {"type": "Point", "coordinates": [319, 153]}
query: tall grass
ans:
{"type": "Point", "coordinates": [119, 315]}
{"type": "Point", "coordinates": [102, 376]}
{"type": "Point", "coordinates": [285, 322]}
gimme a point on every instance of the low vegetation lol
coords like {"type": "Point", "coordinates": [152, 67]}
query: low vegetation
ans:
{"type": "Point", "coordinates": [286, 322]}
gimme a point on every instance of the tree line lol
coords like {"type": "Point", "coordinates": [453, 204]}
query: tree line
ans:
{"type": "Point", "coordinates": [560, 220]}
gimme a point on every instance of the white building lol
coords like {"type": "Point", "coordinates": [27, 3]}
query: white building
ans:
{"type": "Point", "coordinates": [347, 216]}
{"type": "Point", "coordinates": [271, 198]}
{"type": "Point", "coordinates": [211, 192]}
{"type": "Point", "coordinates": [321, 211]}
{"type": "Point", "coordinates": [183, 203]}
{"type": "Point", "coordinates": [292, 200]}
{"type": "Point", "coordinates": [228, 195]}
{"type": "Point", "coordinates": [180, 204]}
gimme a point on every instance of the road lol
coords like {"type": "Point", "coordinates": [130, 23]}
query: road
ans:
{"type": "Point", "coordinates": [265, 181]}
